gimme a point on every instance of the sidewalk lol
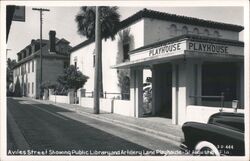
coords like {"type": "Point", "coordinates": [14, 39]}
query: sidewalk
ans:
{"type": "Point", "coordinates": [160, 128]}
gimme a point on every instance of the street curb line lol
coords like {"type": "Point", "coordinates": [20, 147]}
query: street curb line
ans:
{"type": "Point", "coordinates": [157, 134]}
{"type": "Point", "coordinates": [137, 129]}
{"type": "Point", "coordinates": [18, 137]}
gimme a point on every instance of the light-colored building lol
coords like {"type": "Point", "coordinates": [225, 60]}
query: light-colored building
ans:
{"type": "Point", "coordinates": [27, 70]}
{"type": "Point", "coordinates": [197, 66]}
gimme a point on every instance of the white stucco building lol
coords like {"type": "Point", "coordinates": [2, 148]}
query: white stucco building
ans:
{"type": "Point", "coordinates": [197, 66]}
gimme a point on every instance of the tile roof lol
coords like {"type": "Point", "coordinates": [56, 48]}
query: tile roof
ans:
{"type": "Point", "coordinates": [145, 13]}
{"type": "Point", "coordinates": [190, 37]}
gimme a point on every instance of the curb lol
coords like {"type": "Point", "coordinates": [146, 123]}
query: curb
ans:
{"type": "Point", "coordinates": [159, 135]}
{"type": "Point", "coordinates": [156, 134]}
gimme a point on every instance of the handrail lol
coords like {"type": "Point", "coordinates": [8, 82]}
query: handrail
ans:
{"type": "Point", "coordinates": [220, 97]}
{"type": "Point", "coordinates": [107, 93]}
{"type": "Point", "coordinates": [207, 96]}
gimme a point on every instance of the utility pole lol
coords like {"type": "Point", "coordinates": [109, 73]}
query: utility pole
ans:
{"type": "Point", "coordinates": [41, 10]}
{"type": "Point", "coordinates": [97, 62]}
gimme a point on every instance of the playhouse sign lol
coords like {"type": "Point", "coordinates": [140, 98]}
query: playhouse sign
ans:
{"type": "Point", "coordinates": [179, 48]}
{"type": "Point", "coordinates": [169, 48]}
{"type": "Point", "coordinates": [208, 48]}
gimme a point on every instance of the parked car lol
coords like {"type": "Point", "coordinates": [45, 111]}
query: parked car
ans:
{"type": "Point", "coordinates": [222, 135]}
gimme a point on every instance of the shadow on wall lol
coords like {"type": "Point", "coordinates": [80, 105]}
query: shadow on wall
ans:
{"type": "Point", "coordinates": [125, 44]}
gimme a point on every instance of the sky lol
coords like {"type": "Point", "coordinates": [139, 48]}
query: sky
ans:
{"type": "Point", "coordinates": [62, 20]}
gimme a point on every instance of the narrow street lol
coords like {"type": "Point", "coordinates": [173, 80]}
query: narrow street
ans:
{"type": "Point", "coordinates": [55, 130]}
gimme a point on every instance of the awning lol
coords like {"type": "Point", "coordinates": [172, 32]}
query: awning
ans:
{"type": "Point", "coordinates": [184, 48]}
{"type": "Point", "coordinates": [161, 59]}
{"type": "Point", "coordinates": [147, 61]}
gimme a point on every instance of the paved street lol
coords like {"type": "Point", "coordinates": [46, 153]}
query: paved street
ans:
{"type": "Point", "coordinates": [44, 127]}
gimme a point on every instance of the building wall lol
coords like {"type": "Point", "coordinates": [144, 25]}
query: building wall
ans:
{"type": "Point", "coordinates": [158, 30]}
{"type": "Point", "coordinates": [28, 77]}
{"type": "Point", "coordinates": [144, 32]}
{"type": "Point", "coordinates": [202, 113]}
{"type": "Point", "coordinates": [32, 79]}
{"type": "Point", "coordinates": [189, 83]}
{"type": "Point", "coordinates": [84, 58]}
{"type": "Point", "coordinates": [52, 68]}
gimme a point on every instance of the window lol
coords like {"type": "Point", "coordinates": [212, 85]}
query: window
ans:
{"type": "Point", "coordinates": [65, 64]}
{"type": "Point", "coordinates": [173, 30]}
{"type": "Point", "coordinates": [37, 47]}
{"type": "Point", "coordinates": [125, 52]}
{"type": "Point", "coordinates": [29, 67]}
{"type": "Point", "coordinates": [206, 32]}
{"type": "Point", "coordinates": [28, 89]}
{"type": "Point", "coordinates": [32, 87]}
{"type": "Point", "coordinates": [125, 88]}
{"type": "Point", "coordinates": [216, 34]}
{"type": "Point", "coordinates": [32, 65]}
{"type": "Point", "coordinates": [24, 53]}
{"type": "Point", "coordinates": [196, 31]}
{"type": "Point", "coordinates": [75, 61]}
{"type": "Point", "coordinates": [184, 30]}
{"type": "Point", "coordinates": [19, 56]}
{"type": "Point", "coordinates": [218, 78]}
{"type": "Point", "coordinates": [29, 49]}
{"type": "Point", "coordinates": [21, 69]}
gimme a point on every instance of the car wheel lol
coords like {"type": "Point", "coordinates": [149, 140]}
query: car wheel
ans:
{"type": "Point", "coordinates": [205, 148]}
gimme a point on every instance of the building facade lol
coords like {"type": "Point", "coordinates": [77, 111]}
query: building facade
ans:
{"type": "Point", "coordinates": [55, 57]}
{"type": "Point", "coordinates": [196, 66]}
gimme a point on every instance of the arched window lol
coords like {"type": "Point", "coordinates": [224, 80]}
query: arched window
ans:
{"type": "Point", "coordinates": [29, 49]}
{"type": "Point", "coordinates": [196, 31]}
{"type": "Point", "coordinates": [184, 30]}
{"type": "Point", "coordinates": [216, 34]}
{"type": "Point", "coordinates": [125, 52]}
{"type": "Point", "coordinates": [37, 47]}
{"type": "Point", "coordinates": [125, 88]}
{"type": "Point", "coordinates": [173, 30]}
{"type": "Point", "coordinates": [24, 53]}
{"type": "Point", "coordinates": [206, 32]}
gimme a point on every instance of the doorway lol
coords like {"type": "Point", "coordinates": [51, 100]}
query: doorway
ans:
{"type": "Point", "coordinates": [163, 90]}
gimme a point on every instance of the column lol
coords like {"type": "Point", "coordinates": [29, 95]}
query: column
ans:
{"type": "Point", "coordinates": [240, 85]}
{"type": "Point", "coordinates": [136, 90]}
{"type": "Point", "coordinates": [154, 79]}
{"type": "Point", "coordinates": [175, 88]}
{"type": "Point", "coordinates": [199, 83]}
{"type": "Point", "coordinates": [132, 90]}
{"type": "Point", "coordinates": [71, 96]}
{"type": "Point", "coordinates": [51, 92]}
{"type": "Point", "coordinates": [182, 92]}
{"type": "Point", "coordinates": [194, 81]}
